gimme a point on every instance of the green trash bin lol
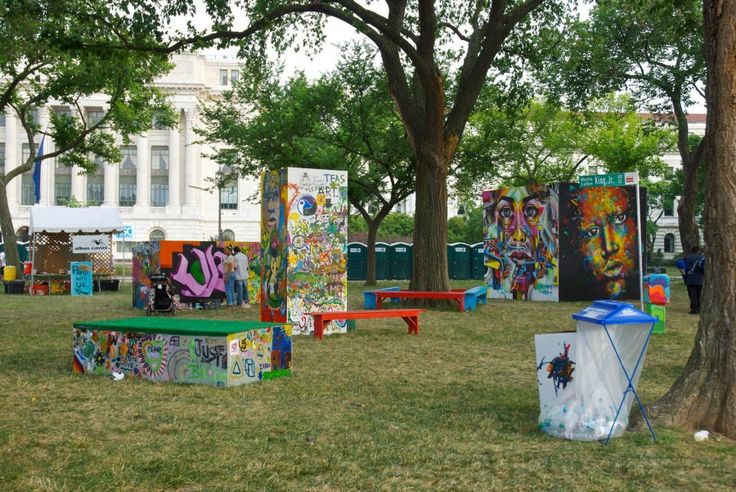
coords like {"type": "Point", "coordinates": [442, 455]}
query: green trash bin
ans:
{"type": "Point", "coordinates": [401, 258]}
{"type": "Point", "coordinates": [458, 261]}
{"type": "Point", "coordinates": [357, 261]}
{"type": "Point", "coordinates": [477, 268]}
{"type": "Point", "coordinates": [383, 261]}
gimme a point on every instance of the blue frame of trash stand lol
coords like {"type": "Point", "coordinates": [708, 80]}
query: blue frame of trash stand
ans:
{"type": "Point", "coordinates": [606, 313]}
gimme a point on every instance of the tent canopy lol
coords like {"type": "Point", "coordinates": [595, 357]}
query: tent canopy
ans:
{"type": "Point", "coordinates": [75, 220]}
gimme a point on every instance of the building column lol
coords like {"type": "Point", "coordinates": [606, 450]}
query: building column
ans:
{"type": "Point", "coordinates": [173, 207]}
{"type": "Point", "coordinates": [190, 165]}
{"type": "Point", "coordinates": [11, 160]}
{"type": "Point", "coordinates": [79, 185]}
{"type": "Point", "coordinates": [48, 166]}
{"type": "Point", "coordinates": [143, 173]}
{"type": "Point", "coordinates": [111, 185]}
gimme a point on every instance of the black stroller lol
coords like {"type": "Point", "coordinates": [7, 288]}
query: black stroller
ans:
{"type": "Point", "coordinates": [160, 296]}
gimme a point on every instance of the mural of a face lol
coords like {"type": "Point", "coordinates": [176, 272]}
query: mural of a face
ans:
{"type": "Point", "coordinates": [521, 241]}
{"type": "Point", "coordinates": [607, 235]}
{"type": "Point", "coordinates": [271, 202]}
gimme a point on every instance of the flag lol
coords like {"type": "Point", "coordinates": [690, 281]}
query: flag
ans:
{"type": "Point", "coordinates": [37, 172]}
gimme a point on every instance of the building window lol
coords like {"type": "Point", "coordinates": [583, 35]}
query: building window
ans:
{"type": "Point", "coordinates": [669, 243]}
{"type": "Point", "coordinates": [127, 191]}
{"type": "Point", "coordinates": [124, 246]}
{"type": "Point", "coordinates": [157, 235]}
{"type": "Point", "coordinates": [33, 117]}
{"type": "Point", "coordinates": [130, 159]}
{"type": "Point", "coordinates": [64, 112]}
{"type": "Point", "coordinates": [95, 189]}
{"type": "Point", "coordinates": [62, 189]}
{"type": "Point", "coordinates": [223, 77]}
{"type": "Point", "coordinates": [592, 170]}
{"type": "Point", "coordinates": [229, 196]}
{"type": "Point", "coordinates": [228, 235]}
{"type": "Point", "coordinates": [669, 208]}
{"type": "Point", "coordinates": [234, 76]}
{"type": "Point", "coordinates": [159, 160]}
{"type": "Point", "coordinates": [2, 119]}
{"type": "Point", "coordinates": [159, 191]}
{"type": "Point", "coordinates": [128, 178]}
{"type": "Point", "coordinates": [94, 116]}
{"type": "Point", "coordinates": [27, 188]}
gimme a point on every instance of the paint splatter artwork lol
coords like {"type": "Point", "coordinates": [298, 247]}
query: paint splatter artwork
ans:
{"type": "Point", "coordinates": [304, 244]}
{"type": "Point", "coordinates": [561, 242]}
{"type": "Point", "coordinates": [555, 356]}
{"type": "Point", "coordinates": [521, 246]}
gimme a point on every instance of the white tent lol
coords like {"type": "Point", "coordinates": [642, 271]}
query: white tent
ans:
{"type": "Point", "coordinates": [75, 220]}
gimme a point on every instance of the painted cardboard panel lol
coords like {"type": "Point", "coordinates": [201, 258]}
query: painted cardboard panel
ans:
{"type": "Point", "coordinates": [317, 229]}
{"type": "Point", "coordinates": [599, 247]}
{"type": "Point", "coordinates": [273, 245]}
{"type": "Point", "coordinates": [259, 354]}
{"type": "Point", "coordinates": [81, 278]}
{"type": "Point", "coordinates": [194, 267]}
{"type": "Point", "coordinates": [521, 242]}
{"type": "Point", "coordinates": [555, 366]}
{"type": "Point", "coordinates": [657, 289]}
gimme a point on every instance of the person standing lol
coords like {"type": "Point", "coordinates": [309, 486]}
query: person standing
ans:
{"type": "Point", "coordinates": [241, 278]}
{"type": "Point", "coordinates": [229, 271]}
{"type": "Point", "coordinates": [694, 271]}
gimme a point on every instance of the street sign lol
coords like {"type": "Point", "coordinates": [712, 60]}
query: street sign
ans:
{"type": "Point", "coordinates": [126, 234]}
{"type": "Point", "coordinates": [613, 179]}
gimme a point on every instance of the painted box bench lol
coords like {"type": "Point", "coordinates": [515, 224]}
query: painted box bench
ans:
{"type": "Point", "coordinates": [215, 352]}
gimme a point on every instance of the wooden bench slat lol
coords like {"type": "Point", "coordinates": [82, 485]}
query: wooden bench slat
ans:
{"type": "Point", "coordinates": [410, 316]}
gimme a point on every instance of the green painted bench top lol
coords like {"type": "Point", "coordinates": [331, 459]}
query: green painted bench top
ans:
{"type": "Point", "coordinates": [178, 326]}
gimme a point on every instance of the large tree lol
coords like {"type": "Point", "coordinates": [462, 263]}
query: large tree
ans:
{"type": "Point", "coordinates": [413, 39]}
{"type": "Point", "coordinates": [39, 64]}
{"type": "Point", "coordinates": [654, 49]}
{"type": "Point", "coordinates": [344, 120]}
{"type": "Point", "coordinates": [704, 395]}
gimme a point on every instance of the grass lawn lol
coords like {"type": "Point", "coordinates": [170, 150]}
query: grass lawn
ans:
{"type": "Point", "coordinates": [454, 408]}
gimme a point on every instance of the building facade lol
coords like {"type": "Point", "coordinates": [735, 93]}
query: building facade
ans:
{"type": "Point", "coordinates": [160, 186]}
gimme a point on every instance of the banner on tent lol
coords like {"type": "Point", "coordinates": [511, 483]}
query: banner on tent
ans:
{"type": "Point", "coordinates": [99, 243]}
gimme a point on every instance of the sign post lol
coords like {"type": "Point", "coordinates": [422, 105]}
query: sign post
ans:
{"type": "Point", "coordinates": [125, 235]}
{"type": "Point", "coordinates": [622, 179]}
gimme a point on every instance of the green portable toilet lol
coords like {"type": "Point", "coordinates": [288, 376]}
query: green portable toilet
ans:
{"type": "Point", "coordinates": [357, 261]}
{"type": "Point", "coordinates": [477, 268]}
{"type": "Point", "coordinates": [401, 261]}
{"type": "Point", "coordinates": [383, 261]}
{"type": "Point", "coordinates": [458, 261]}
{"type": "Point", "coordinates": [22, 251]}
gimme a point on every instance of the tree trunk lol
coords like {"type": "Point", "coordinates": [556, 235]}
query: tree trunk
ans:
{"type": "Point", "coordinates": [9, 238]}
{"type": "Point", "coordinates": [704, 395]}
{"type": "Point", "coordinates": [688, 226]}
{"type": "Point", "coordinates": [430, 222]}
{"type": "Point", "coordinates": [370, 278]}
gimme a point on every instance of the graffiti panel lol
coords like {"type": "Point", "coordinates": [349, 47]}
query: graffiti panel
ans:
{"type": "Point", "coordinates": [194, 267]}
{"type": "Point", "coordinates": [259, 354]}
{"type": "Point", "coordinates": [521, 242]}
{"type": "Point", "coordinates": [317, 237]}
{"type": "Point", "coordinates": [273, 246]}
{"type": "Point", "coordinates": [599, 243]}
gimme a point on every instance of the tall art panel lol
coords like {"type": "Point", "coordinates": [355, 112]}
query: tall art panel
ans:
{"type": "Point", "coordinates": [303, 245]}
{"type": "Point", "coordinates": [561, 242]}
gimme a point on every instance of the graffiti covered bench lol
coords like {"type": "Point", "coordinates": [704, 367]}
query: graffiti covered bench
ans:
{"type": "Point", "coordinates": [411, 316]}
{"type": "Point", "coordinates": [467, 299]}
{"type": "Point", "coordinates": [215, 352]}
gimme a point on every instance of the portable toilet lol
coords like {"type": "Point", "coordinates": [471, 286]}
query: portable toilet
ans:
{"type": "Point", "coordinates": [383, 261]}
{"type": "Point", "coordinates": [458, 261]}
{"type": "Point", "coordinates": [612, 339]}
{"type": "Point", "coordinates": [401, 258]}
{"type": "Point", "coordinates": [477, 268]}
{"type": "Point", "coordinates": [357, 261]}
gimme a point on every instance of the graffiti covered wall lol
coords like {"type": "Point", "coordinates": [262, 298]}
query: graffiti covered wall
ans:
{"type": "Point", "coordinates": [239, 358]}
{"type": "Point", "coordinates": [560, 242]}
{"type": "Point", "coordinates": [304, 244]}
{"type": "Point", "coordinates": [194, 267]}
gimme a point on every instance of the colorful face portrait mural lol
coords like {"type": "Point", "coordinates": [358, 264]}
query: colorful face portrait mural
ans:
{"type": "Point", "coordinates": [273, 259]}
{"type": "Point", "coordinates": [600, 258]}
{"type": "Point", "coordinates": [521, 246]}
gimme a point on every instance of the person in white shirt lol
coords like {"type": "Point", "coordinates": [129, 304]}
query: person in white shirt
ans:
{"type": "Point", "coordinates": [229, 271]}
{"type": "Point", "coordinates": [241, 278]}
{"type": "Point", "coordinates": [2, 263]}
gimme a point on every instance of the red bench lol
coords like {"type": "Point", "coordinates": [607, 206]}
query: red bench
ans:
{"type": "Point", "coordinates": [466, 298]}
{"type": "Point", "coordinates": [411, 316]}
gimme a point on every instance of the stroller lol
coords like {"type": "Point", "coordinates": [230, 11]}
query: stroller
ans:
{"type": "Point", "coordinates": [160, 296]}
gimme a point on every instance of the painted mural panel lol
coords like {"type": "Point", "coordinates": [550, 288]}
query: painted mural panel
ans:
{"type": "Point", "coordinates": [194, 267]}
{"type": "Point", "coordinates": [317, 227]}
{"type": "Point", "coordinates": [81, 278]}
{"type": "Point", "coordinates": [273, 245]}
{"type": "Point", "coordinates": [599, 247]}
{"type": "Point", "coordinates": [521, 242]}
{"type": "Point", "coordinates": [240, 358]}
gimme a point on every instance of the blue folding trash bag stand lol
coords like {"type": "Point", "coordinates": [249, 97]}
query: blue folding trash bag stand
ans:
{"type": "Point", "coordinates": [611, 342]}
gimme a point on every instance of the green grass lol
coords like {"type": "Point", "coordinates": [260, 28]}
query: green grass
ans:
{"type": "Point", "coordinates": [454, 408]}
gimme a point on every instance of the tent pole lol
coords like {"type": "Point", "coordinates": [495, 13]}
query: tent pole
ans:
{"type": "Point", "coordinates": [33, 260]}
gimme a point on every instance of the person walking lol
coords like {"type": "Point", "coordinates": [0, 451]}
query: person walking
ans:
{"type": "Point", "coordinates": [229, 271]}
{"type": "Point", "coordinates": [241, 278]}
{"type": "Point", "coordinates": [693, 274]}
